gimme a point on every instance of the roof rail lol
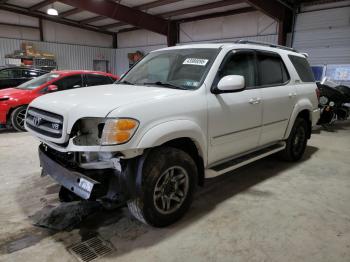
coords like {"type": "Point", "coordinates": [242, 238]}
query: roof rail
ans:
{"type": "Point", "coordinates": [266, 44]}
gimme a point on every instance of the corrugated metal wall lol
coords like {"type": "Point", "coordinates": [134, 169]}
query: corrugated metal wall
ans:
{"type": "Point", "coordinates": [250, 26]}
{"type": "Point", "coordinates": [68, 56]}
{"type": "Point", "coordinates": [324, 35]}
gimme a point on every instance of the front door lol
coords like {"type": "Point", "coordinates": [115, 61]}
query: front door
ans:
{"type": "Point", "coordinates": [234, 119]}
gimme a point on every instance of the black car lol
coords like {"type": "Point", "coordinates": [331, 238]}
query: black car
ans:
{"type": "Point", "coordinates": [14, 76]}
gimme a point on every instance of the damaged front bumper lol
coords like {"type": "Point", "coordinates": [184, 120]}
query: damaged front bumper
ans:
{"type": "Point", "coordinates": [109, 184]}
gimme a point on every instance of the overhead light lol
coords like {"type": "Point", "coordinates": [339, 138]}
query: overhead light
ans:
{"type": "Point", "coordinates": [52, 11]}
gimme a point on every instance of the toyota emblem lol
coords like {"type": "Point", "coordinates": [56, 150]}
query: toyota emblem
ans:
{"type": "Point", "coordinates": [37, 120]}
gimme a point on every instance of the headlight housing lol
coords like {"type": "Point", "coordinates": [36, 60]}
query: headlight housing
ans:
{"type": "Point", "coordinates": [118, 131]}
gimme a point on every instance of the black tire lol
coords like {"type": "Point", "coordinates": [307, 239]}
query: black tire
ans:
{"type": "Point", "coordinates": [169, 178]}
{"type": "Point", "coordinates": [18, 118]}
{"type": "Point", "coordinates": [296, 142]}
{"type": "Point", "coordinates": [65, 195]}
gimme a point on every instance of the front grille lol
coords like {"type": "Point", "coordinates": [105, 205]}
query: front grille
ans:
{"type": "Point", "coordinates": [45, 123]}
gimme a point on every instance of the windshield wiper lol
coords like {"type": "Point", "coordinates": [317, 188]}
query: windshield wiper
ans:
{"type": "Point", "coordinates": [125, 82]}
{"type": "Point", "coordinates": [166, 84]}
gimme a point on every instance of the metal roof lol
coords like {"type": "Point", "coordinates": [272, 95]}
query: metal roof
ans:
{"type": "Point", "coordinates": [160, 16]}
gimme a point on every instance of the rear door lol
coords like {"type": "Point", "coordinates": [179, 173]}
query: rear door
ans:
{"type": "Point", "coordinates": [96, 80]}
{"type": "Point", "coordinates": [278, 96]}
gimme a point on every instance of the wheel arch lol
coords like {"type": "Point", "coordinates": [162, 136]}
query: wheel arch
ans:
{"type": "Point", "coordinates": [9, 113]}
{"type": "Point", "coordinates": [302, 110]}
{"type": "Point", "coordinates": [185, 135]}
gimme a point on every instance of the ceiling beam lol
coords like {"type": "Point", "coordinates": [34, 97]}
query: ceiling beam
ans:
{"type": "Point", "coordinates": [200, 8]}
{"type": "Point", "coordinates": [185, 11]}
{"type": "Point", "coordinates": [19, 25]}
{"type": "Point", "coordinates": [70, 12]}
{"type": "Point", "coordinates": [122, 13]}
{"type": "Point", "coordinates": [271, 8]}
{"type": "Point", "coordinates": [25, 11]}
{"type": "Point", "coordinates": [146, 6]}
{"type": "Point", "coordinates": [218, 14]}
{"type": "Point", "coordinates": [41, 5]}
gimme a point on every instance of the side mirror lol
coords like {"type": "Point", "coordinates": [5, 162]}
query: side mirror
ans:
{"type": "Point", "coordinates": [52, 88]}
{"type": "Point", "coordinates": [231, 83]}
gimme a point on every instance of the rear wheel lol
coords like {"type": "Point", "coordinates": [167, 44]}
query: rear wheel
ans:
{"type": "Point", "coordinates": [18, 118]}
{"type": "Point", "coordinates": [168, 183]}
{"type": "Point", "coordinates": [296, 142]}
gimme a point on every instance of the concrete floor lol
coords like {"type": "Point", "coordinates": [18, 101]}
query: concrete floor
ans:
{"type": "Point", "coordinates": [267, 211]}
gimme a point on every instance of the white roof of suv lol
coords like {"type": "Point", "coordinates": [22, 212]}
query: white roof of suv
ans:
{"type": "Point", "coordinates": [242, 44]}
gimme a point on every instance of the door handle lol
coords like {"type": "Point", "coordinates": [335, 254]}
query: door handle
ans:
{"type": "Point", "coordinates": [254, 101]}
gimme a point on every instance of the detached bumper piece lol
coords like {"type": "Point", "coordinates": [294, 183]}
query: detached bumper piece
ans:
{"type": "Point", "coordinates": [76, 182]}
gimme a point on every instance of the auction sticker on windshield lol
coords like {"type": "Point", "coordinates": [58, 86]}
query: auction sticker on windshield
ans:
{"type": "Point", "coordinates": [195, 61]}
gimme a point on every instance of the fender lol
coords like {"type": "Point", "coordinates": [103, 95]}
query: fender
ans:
{"type": "Point", "coordinates": [170, 130]}
{"type": "Point", "coordinates": [302, 104]}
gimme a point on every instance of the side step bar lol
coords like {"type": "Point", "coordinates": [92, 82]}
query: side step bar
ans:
{"type": "Point", "coordinates": [243, 160]}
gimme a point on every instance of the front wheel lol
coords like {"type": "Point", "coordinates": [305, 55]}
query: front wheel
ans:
{"type": "Point", "coordinates": [18, 118]}
{"type": "Point", "coordinates": [168, 183]}
{"type": "Point", "coordinates": [296, 142]}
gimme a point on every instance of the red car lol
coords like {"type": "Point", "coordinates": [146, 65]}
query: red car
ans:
{"type": "Point", "coordinates": [14, 101]}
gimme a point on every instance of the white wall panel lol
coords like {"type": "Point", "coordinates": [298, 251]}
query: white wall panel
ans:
{"type": "Point", "coordinates": [252, 26]}
{"type": "Point", "coordinates": [19, 32]}
{"type": "Point", "coordinates": [13, 18]}
{"type": "Point", "coordinates": [324, 35]}
{"type": "Point", "coordinates": [67, 56]}
{"type": "Point", "coordinates": [140, 38]}
{"type": "Point", "coordinates": [54, 32]}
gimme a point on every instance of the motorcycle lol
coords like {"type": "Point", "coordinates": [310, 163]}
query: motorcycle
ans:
{"type": "Point", "coordinates": [334, 102]}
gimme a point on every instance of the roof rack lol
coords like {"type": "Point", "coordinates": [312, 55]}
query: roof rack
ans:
{"type": "Point", "coordinates": [266, 44]}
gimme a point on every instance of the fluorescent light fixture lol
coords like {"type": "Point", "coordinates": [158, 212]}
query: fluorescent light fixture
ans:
{"type": "Point", "coordinates": [52, 11]}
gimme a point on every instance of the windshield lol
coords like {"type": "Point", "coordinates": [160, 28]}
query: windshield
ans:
{"type": "Point", "coordinates": [36, 82]}
{"type": "Point", "coordinates": [177, 68]}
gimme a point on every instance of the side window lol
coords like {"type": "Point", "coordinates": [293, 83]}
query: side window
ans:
{"type": "Point", "coordinates": [95, 80]}
{"type": "Point", "coordinates": [29, 73]}
{"type": "Point", "coordinates": [240, 63]}
{"type": "Point", "coordinates": [15, 73]}
{"type": "Point", "coordinates": [4, 74]}
{"type": "Point", "coordinates": [272, 70]}
{"type": "Point", "coordinates": [69, 82]}
{"type": "Point", "coordinates": [303, 68]}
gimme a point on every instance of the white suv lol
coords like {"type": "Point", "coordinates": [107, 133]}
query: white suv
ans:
{"type": "Point", "coordinates": [182, 114]}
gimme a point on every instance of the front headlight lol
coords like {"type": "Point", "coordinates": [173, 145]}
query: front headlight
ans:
{"type": "Point", "coordinates": [118, 131]}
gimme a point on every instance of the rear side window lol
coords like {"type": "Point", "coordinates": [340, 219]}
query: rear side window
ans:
{"type": "Point", "coordinates": [69, 82]}
{"type": "Point", "coordinates": [95, 80]}
{"type": "Point", "coordinates": [272, 70]}
{"type": "Point", "coordinates": [303, 68]}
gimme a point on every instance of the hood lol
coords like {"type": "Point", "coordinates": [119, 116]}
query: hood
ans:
{"type": "Point", "coordinates": [13, 92]}
{"type": "Point", "coordinates": [98, 101]}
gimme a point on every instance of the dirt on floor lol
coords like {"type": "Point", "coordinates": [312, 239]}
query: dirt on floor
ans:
{"type": "Point", "coordinates": [267, 211]}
